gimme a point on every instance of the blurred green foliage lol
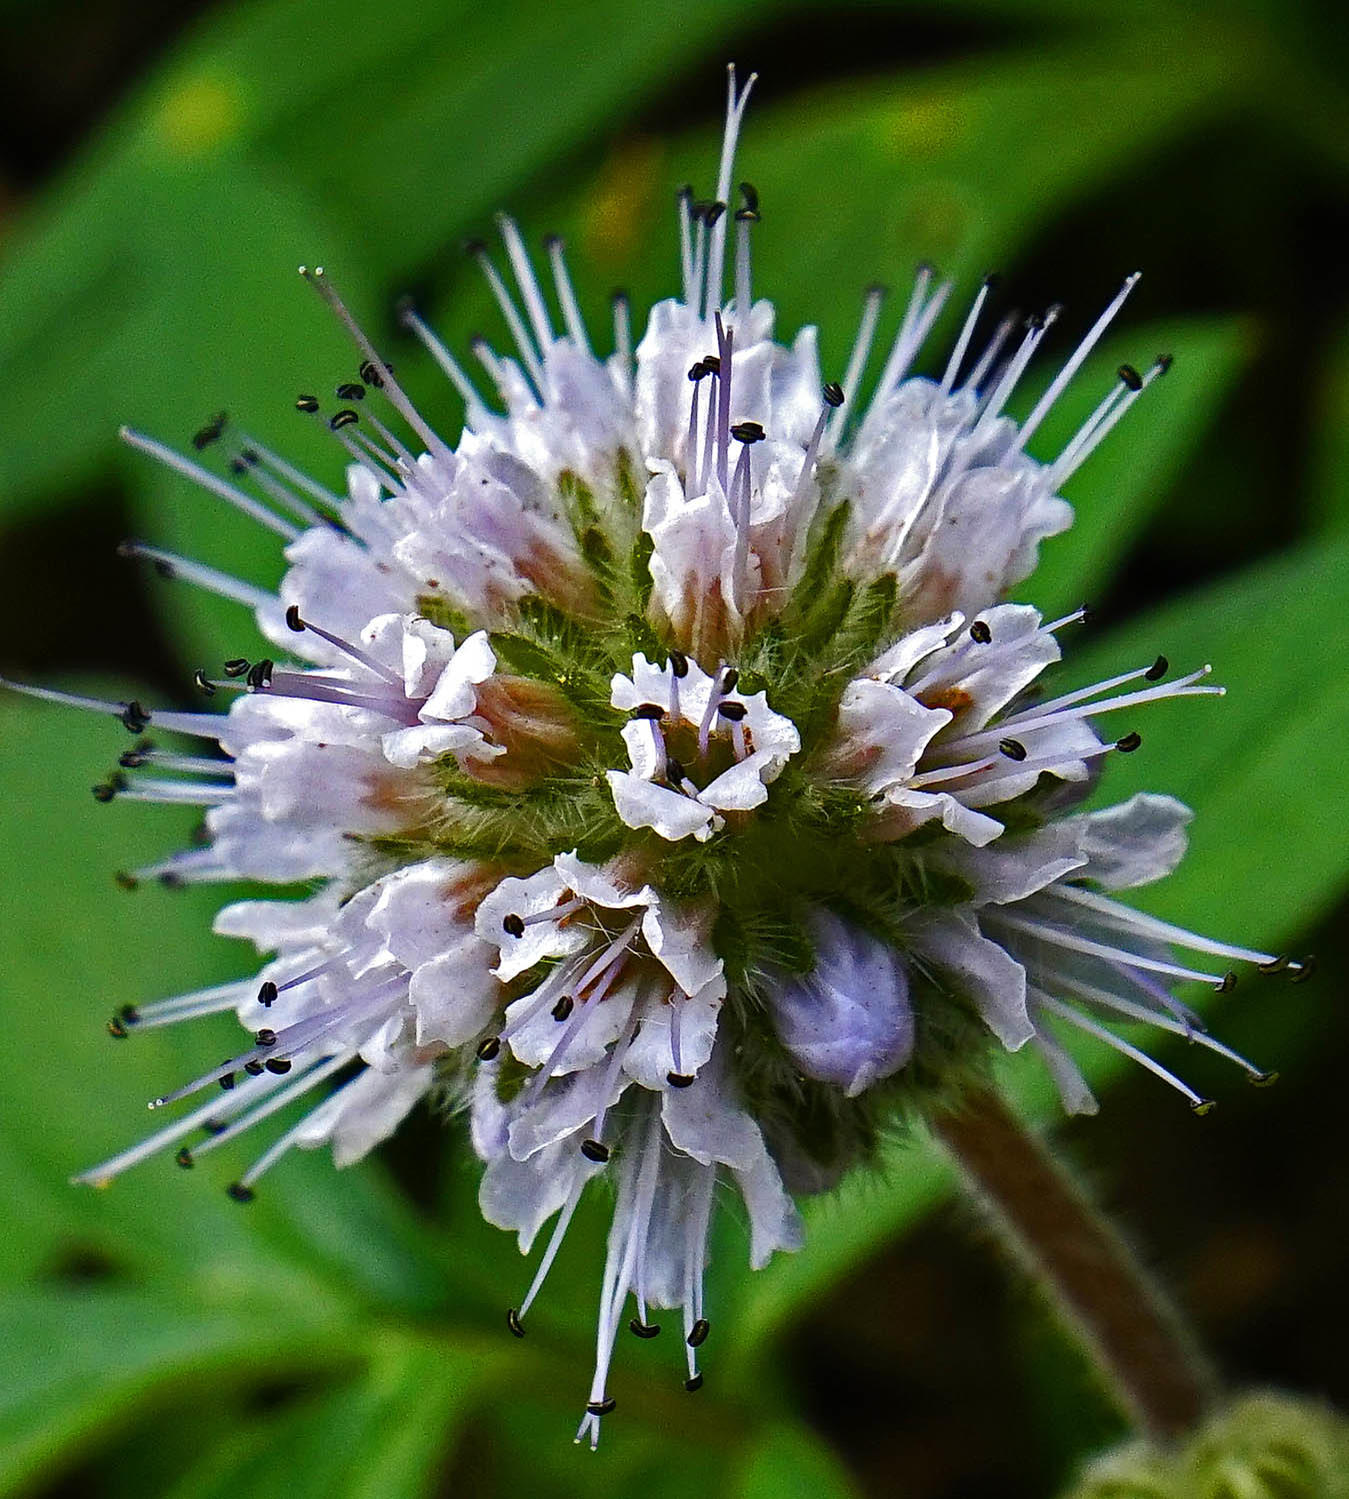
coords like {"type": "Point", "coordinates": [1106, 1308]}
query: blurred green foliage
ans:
{"type": "Point", "coordinates": [344, 1337]}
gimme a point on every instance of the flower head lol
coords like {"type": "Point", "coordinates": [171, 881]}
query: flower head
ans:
{"type": "Point", "coordinates": [677, 785]}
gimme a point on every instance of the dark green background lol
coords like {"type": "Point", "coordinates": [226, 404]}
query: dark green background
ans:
{"type": "Point", "coordinates": [163, 170]}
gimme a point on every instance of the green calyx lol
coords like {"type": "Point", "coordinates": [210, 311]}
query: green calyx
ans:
{"type": "Point", "coordinates": [1268, 1446]}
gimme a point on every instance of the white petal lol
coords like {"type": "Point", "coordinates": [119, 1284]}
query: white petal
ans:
{"type": "Point", "coordinates": [1135, 842]}
{"type": "Point", "coordinates": [650, 1059]}
{"type": "Point", "coordinates": [1015, 867]}
{"type": "Point", "coordinates": [992, 979]}
{"type": "Point", "coordinates": [536, 1041]}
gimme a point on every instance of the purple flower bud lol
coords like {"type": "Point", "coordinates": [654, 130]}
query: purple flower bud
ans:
{"type": "Point", "coordinates": [849, 1020]}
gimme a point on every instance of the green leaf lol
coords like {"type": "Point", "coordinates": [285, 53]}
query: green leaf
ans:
{"type": "Point", "coordinates": [382, 1436]}
{"type": "Point", "coordinates": [79, 1364]}
{"type": "Point", "coordinates": [789, 1459]}
{"type": "Point", "coordinates": [1258, 766]}
{"type": "Point", "coordinates": [1125, 482]}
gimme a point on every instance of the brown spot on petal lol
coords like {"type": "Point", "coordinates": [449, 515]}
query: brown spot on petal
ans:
{"type": "Point", "coordinates": [953, 699]}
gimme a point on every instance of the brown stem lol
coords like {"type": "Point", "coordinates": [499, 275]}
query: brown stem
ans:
{"type": "Point", "coordinates": [1136, 1339]}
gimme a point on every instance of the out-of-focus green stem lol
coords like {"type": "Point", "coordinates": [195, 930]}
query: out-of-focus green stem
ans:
{"type": "Point", "coordinates": [1136, 1338]}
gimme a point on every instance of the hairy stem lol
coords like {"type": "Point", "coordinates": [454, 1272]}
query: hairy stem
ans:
{"type": "Point", "coordinates": [1104, 1296]}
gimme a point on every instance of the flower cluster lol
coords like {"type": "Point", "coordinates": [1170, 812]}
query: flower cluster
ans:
{"type": "Point", "coordinates": [674, 789]}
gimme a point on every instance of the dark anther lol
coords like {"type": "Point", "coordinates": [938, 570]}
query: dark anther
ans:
{"type": "Point", "coordinates": [350, 390]}
{"type": "Point", "coordinates": [640, 1329]}
{"type": "Point", "coordinates": [674, 770]}
{"type": "Point", "coordinates": [679, 1079]}
{"type": "Point", "coordinates": [239, 1192]}
{"type": "Point", "coordinates": [1035, 322]}
{"type": "Point", "coordinates": [698, 371]}
{"type": "Point", "coordinates": [236, 666]}
{"type": "Point", "coordinates": [684, 194]}
{"type": "Point", "coordinates": [126, 881]}
{"type": "Point", "coordinates": [747, 432]}
{"type": "Point", "coordinates": [992, 279]}
{"type": "Point", "coordinates": [1301, 969]}
{"type": "Point", "coordinates": [227, 1082]}
{"type": "Point", "coordinates": [1012, 748]}
{"type": "Point", "coordinates": [1129, 743]}
{"type": "Point", "coordinates": [980, 632]}
{"type": "Point", "coordinates": [266, 1037]}
{"type": "Point", "coordinates": [711, 212]}
{"type": "Point", "coordinates": [513, 1322]}
{"type": "Point", "coordinates": [1088, 613]}
{"type": "Point", "coordinates": [563, 1007]}
{"type": "Point", "coordinates": [732, 711]}
{"type": "Point", "coordinates": [129, 1013]}
{"type": "Point", "coordinates": [712, 363]}
{"type": "Point", "coordinates": [601, 1407]}
{"type": "Point", "coordinates": [133, 758]}
{"type": "Point", "coordinates": [293, 620]}
{"type": "Point", "coordinates": [475, 247]}
{"type": "Point", "coordinates": [260, 674]}
{"type": "Point", "coordinates": [833, 394]}
{"type": "Point", "coordinates": [279, 1065]}
{"type": "Point", "coordinates": [210, 433]}
{"type": "Point", "coordinates": [1130, 377]}
{"type": "Point", "coordinates": [308, 404]}
{"type": "Point", "coordinates": [171, 881]}
{"type": "Point", "coordinates": [343, 418]}
{"type": "Point", "coordinates": [267, 994]}
{"type": "Point", "coordinates": [653, 711]}
{"type": "Point", "coordinates": [238, 467]}
{"type": "Point", "coordinates": [117, 1028]}
{"type": "Point", "coordinates": [513, 925]}
{"type": "Point", "coordinates": [184, 1159]}
{"type": "Point", "coordinates": [104, 792]}
{"type": "Point", "coordinates": [694, 1382]}
{"type": "Point", "coordinates": [488, 1047]}
{"type": "Point", "coordinates": [254, 1069]}
{"type": "Point", "coordinates": [135, 718]}
{"type": "Point", "coordinates": [203, 685]}
{"type": "Point", "coordinates": [729, 678]}
{"type": "Point", "coordinates": [1227, 983]}
{"type": "Point", "coordinates": [250, 456]}
{"type": "Point", "coordinates": [1276, 965]}
{"type": "Point", "coordinates": [214, 1126]}
{"type": "Point", "coordinates": [595, 1150]}
{"type": "Point", "coordinates": [1157, 670]}
{"type": "Point", "coordinates": [371, 373]}
{"type": "Point", "coordinates": [698, 1333]}
{"type": "Point", "coordinates": [1203, 1107]}
{"type": "Point", "coordinates": [1263, 1079]}
{"type": "Point", "coordinates": [1163, 362]}
{"type": "Point", "coordinates": [679, 664]}
{"type": "Point", "coordinates": [750, 194]}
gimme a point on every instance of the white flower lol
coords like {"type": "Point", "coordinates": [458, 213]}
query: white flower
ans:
{"type": "Point", "coordinates": [664, 751]}
{"type": "Point", "coordinates": [678, 706]}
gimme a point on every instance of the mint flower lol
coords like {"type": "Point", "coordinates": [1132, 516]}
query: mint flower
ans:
{"type": "Point", "coordinates": [678, 793]}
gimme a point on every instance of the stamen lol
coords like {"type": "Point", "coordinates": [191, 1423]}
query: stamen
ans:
{"type": "Point", "coordinates": [1058, 937]}
{"type": "Point", "coordinates": [208, 481]}
{"type": "Point", "coordinates": [318, 279]}
{"type": "Point", "coordinates": [962, 343]}
{"type": "Point", "coordinates": [476, 409]}
{"type": "Point", "coordinates": [299, 625]}
{"type": "Point", "coordinates": [684, 202]}
{"type": "Point", "coordinates": [861, 350]}
{"type": "Point", "coordinates": [1074, 363]}
{"type": "Point", "coordinates": [223, 585]}
{"type": "Point", "coordinates": [1117, 1043]}
{"type": "Point", "coordinates": [511, 313]}
{"type": "Point", "coordinates": [566, 294]}
{"type": "Point", "coordinates": [991, 351]}
{"type": "Point", "coordinates": [1131, 920]}
{"type": "Point", "coordinates": [623, 338]}
{"type": "Point", "coordinates": [526, 281]}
